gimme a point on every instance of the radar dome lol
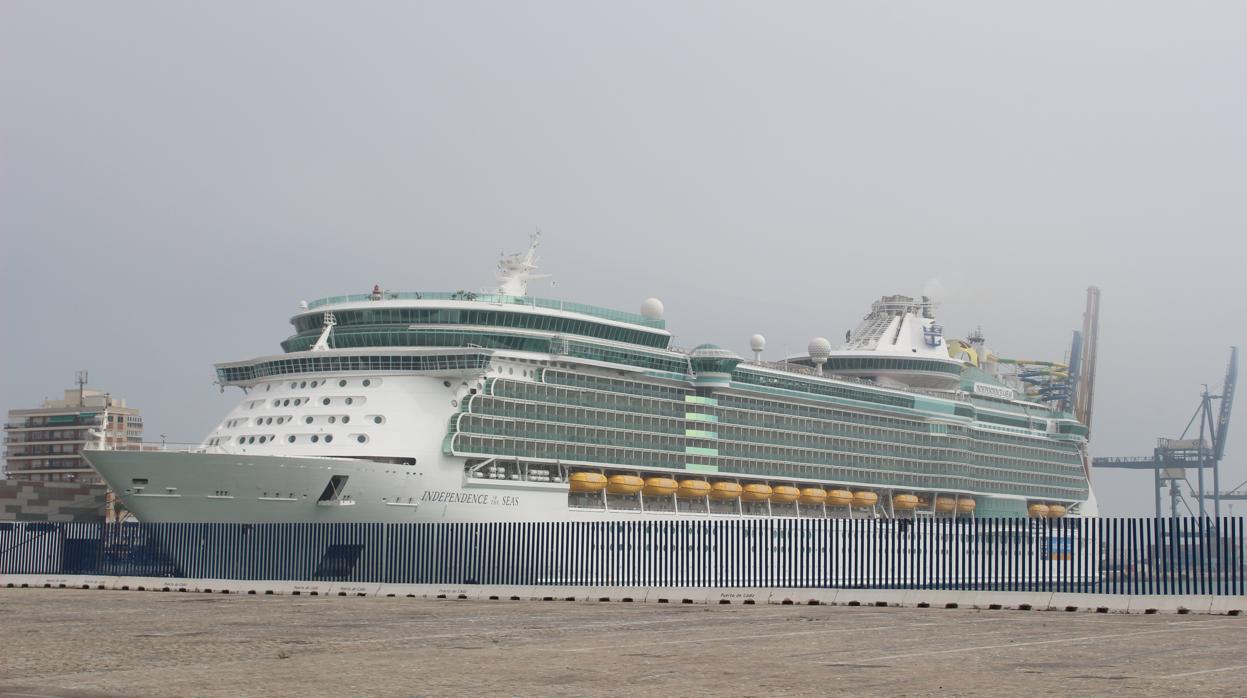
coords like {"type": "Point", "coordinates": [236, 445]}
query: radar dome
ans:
{"type": "Point", "coordinates": [757, 343]}
{"type": "Point", "coordinates": [820, 348]}
{"type": "Point", "coordinates": [652, 309]}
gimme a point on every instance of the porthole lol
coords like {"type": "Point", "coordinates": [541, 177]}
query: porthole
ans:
{"type": "Point", "coordinates": [328, 438]}
{"type": "Point", "coordinates": [332, 419]}
{"type": "Point", "coordinates": [251, 440]}
{"type": "Point", "coordinates": [268, 387]}
{"type": "Point", "coordinates": [378, 419]}
{"type": "Point", "coordinates": [325, 401]}
{"type": "Point", "coordinates": [349, 401]}
{"type": "Point", "coordinates": [285, 403]}
{"type": "Point", "coordinates": [346, 418]}
{"type": "Point", "coordinates": [307, 420]}
{"type": "Point", "coordinates": [315, 438]}
{"type": "Point", "coordinates": [342, 384]}
{"type": "Point", "coordinates": [361, 438]}
{"type": "Point", "coordinates": [367, 382]}
{"type": "Point", "coordinates": [446, 383]}
{"type": "Point", "coordinates": [298, 401]}
{"type": "Point", "coordinates": [276, 403]}
{"type": "Point", "coordinates": [303, 384]}
{"type": "Point", "coordinates": [269, 420]}
{"type": "Point", "coordinates": [454, 403]}
{"type": "Point", "coordinates": [290, 438]}
{"type": "Point", "coordinates": [263, 439]}
{"type": "Point", "coordinates": [293, 385]}
{"type": "Point", "coordinates": [313, 384]}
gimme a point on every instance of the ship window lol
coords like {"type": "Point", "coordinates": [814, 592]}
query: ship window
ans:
{"type": "Point", "coordinates": [446, 383]}
{"type": "Point", "coordinates": [293, 385]}
{"type": "Point", "coordinates": [378, 419]}
{"type": "Point", "coordinates": [313, 384]}
{"type": "Point", "coordinates": [328, 438]}
{"type": "Point", "coordinates": [332, 419]}
{"type": "Point", "coordinates": [315, 438]}
{"type": "Point", "coordinates": [307, 420]}
{"type": "Point", "coordinates": [361, 438]}
{"type": "Point", "coordinates": [346, 418]}
{"type": "Point", "coordinates": [325, 401]}
{"type": "Point", "coordinates": [290, 438]}
{"type": "Point", "coordinates": [367, 382]}
{"type": "Point", "coordinates": [286, 403]}
{"type": "Point", "coordinates": [303, 384]}
{"type": "Point", "coordinates": [341, 384]}
{"type": "Point", "coordinates": [349, 401]}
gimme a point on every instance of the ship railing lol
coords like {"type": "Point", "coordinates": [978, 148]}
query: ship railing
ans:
{"type": "Point", "coordinates": [172, 446]}
{"type": "Point", "coordinates": [496, 299]}
{"type": "Point", "coordinates": [807, 371]}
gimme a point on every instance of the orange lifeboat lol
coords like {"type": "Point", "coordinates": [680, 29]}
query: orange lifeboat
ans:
{"type": "Point", "coordinates": [1038, 511]}
{"type": "Point", "coordinates": [865, 499]}
{"type": "Point", "coordinates": [724, 491]}
{"type": "Point", "coordinates": [755, 492]}
{"type": "Point", "coordinates": [907, 502]}
{"type": "Point", "coordinates": [624, 484]}
{"type": "Point", "coordinates": [965, 505]}
{"type": "Point", "coordinates": [945, 505]}
{"type": "Point", "coordinates": [812, 496]}
{"type": "Point", "coordinates": [692, 489]}
{"type": "Point", "coordinates": [587, 482]}
{"type": "Point", "coordinates": [659, 487]}
{"type": "Point", "coordinates": [839, 498]}
{"type": "Point", "coordinates": [1056, 511]}
{"type": "Point", "coordinates": [785, 494]}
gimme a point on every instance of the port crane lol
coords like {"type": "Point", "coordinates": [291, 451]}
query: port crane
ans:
{"type": "Point", "coordinates": [1173, 457]}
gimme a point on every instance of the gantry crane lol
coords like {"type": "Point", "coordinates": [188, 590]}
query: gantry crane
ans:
{"type": "Point", "coordinates": [1173, 457]}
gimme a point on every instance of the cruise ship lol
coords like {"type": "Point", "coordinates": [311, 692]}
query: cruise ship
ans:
{"type": "Point", "coordinates": [471, 407]}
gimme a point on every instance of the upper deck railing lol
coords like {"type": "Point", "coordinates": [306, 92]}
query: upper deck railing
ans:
{"type": "Point", "coordinates": [496, 299]}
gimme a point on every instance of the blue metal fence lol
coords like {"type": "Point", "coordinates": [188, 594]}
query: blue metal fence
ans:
{"type": "Point", "coordinates": [1115, 556]}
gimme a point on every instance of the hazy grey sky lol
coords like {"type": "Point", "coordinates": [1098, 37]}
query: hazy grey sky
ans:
{"type": "Point", "coordinates": [175, 177]}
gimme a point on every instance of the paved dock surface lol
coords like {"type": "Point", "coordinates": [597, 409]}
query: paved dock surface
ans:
{"type": "Point", "coordinates": [85, 644]}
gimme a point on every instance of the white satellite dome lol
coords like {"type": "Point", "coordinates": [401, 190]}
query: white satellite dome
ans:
{"type": "Point", "coordinates": [820, 348]}
{"type": "Point", "coordinates": [652, 309]}
{"type": "Point", "coordinates": [757, 343]}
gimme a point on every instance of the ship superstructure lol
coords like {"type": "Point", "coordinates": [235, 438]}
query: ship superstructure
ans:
{"type": "Point", "coordinates": [464, 406]}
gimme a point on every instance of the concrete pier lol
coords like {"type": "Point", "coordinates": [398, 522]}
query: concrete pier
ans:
{"type": "Point", "coordinates": [87, 643]}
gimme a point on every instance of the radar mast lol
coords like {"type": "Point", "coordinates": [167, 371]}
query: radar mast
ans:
{"type": "Point", "coordinates": [516, 270]}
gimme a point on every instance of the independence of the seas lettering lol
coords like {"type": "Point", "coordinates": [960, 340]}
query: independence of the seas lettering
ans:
{"type": "Point", "coordinates": [469, 498]}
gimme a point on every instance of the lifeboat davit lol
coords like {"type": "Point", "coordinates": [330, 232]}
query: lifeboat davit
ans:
{"type": "Point", "coordinates": [659, 487]}
{"type": "Point", "coordinates": [839, 498]}
{"type": "Point", "coordinates": [724, 491]}
{"type": "Point", "coordinates": [906, 502]}
{"type": "Point", "coordinates": [692, 489]}
{"type": "Point", "coordinates": [1056, 511]}
{"type": "Point", "coordinates": [965, 505]}
{"type": "Point", "coordinates": [812, 495]}
{"type": "Point", "coordinates": [1038, 511]}
{"type": "Point", "coordinates": [865, 499]}
{"type": "Point", "coordinates": [785, 494]}
{"type": "Point", "coordinates": [587, 482]}
{"type": "Point", "coordinates": [945, 505]}
{"type": "Point", "coordinates": [624, 484]}
{"type": "Point", "coordinates": [756, 493]}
